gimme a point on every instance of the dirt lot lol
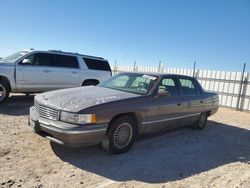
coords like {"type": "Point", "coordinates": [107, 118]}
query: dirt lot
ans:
{"type": "Point", "coordinates": [218, 156]}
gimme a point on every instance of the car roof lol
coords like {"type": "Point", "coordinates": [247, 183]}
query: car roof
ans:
{"type": "Point", "coordinates": [64, 53]}
{"type": "Point", "coordinates": [161, 74]}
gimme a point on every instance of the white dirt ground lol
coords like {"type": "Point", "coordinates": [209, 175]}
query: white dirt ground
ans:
{"type": "Point", "coordinates": [218, 156]}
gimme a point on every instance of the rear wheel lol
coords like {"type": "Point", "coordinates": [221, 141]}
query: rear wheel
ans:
{"type": "Point", "coordinates": [90, 83]}
{"type": "Point", "coordinates": [201, 122]}
{"type": "Point", "coordinates": [120, 136]}
{"type": "Point", "coordinates": [4, 91]}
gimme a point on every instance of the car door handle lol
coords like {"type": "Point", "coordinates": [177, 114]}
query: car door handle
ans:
{"type": "Point", "coordinates": [201, 101]}
{"type": "Point", "coordinates": [47, 71]}
{"type": "Point", "coordinates": [178, 104]}
{"type": "Point", "coordinates": [73, 72]}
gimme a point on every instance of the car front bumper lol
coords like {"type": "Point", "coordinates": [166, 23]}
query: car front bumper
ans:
{"type": "Point", "coordinates": [62, 133]}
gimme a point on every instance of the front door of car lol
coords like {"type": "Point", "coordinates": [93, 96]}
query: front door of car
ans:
{"type": "Point", "coordinates": [164, 110]}
{"type": "Point", "coordinates": [44, 72]}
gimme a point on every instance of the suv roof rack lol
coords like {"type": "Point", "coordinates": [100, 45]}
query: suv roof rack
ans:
{"type": "Point", "coordinates": [55, 50]}
{"type": "Point", "coordinates": [75, 53]}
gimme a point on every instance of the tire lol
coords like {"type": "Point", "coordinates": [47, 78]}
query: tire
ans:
{"type": "Point", "coordinates": [89, 84]}
{"type": "Point", "coordinates": [4, 91]}
{"type": "Point", "coordinates": [121, 135]}
{"type": "Point", "coordinates": [201, 122]}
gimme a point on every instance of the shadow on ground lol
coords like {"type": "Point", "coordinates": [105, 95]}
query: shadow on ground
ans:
{"type": "Point", "coordinates": [17, 105]}
{"type": "Point", "coordinates": [173, 156]}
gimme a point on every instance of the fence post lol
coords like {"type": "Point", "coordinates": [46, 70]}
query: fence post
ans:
{"type": "Point", "coordinates": [115, 68]}
{"type": "Point", "coordinates": [241, 84]}
{"type": "Point", "coordinates": [197, 74]}
{"type": "Point", "coordinates": [244, 91]}
{"type": "Point", "coordinates": [134, 68]}
{"type": "Point", "coordinates": [194, 68]}
{"type": "Point", "coordinates": [160, 66]}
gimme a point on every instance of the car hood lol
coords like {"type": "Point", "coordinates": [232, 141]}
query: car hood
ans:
{"type": "Point", "coordinates": [76, 99]}
{"type": "Point", "coordinates": [6, 63]}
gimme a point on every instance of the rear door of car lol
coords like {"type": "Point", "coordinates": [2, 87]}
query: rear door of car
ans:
{"type": "Point", "coordinates": [165, 111]}
{"type": "Point", "coordinates": [47, 71]}
{"type": "Point", "coordinates": [192, 100]}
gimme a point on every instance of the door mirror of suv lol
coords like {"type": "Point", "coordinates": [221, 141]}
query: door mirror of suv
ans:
{"type": "Point", "coordinates": [162, 91]}
{"type": "Point", "coordinates": [26, 61]}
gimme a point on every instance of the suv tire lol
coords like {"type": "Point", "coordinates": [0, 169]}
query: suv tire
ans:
{"type": "Point", "coordinates": [4, 91]}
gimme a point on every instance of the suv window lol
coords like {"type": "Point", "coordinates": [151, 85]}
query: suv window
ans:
{"type": "Point", "coordinates": [65, 61]}
{"type": "Point", "coordinates": [97, 64]}
{"type": "Point", "coordinates": [53, 60]}
{"type": "Point", "coordinates": [188, 87]}
{"type": "Point", "coordinates": [170, 86]}
{"type": "Point", "coordinates": [43, 59]}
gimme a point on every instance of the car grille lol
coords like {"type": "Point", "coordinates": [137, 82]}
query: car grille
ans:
{"type": "Point", "coordinates": [47, 112]}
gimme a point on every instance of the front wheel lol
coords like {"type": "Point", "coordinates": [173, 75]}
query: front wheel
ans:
{"type": "Point", "coordinates": [201, 122]}
{"type": "Point", "coordinates": [4, 91]}
{"type": "Point", "coordinates": [120, 136]}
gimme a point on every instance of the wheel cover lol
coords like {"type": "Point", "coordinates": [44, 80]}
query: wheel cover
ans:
{"type": "Point", "coordinates": [123, 135]}
{"type": "Point", "coordinates": [202, 120]}
{"type": "Point", "coordinates": [2, 92]}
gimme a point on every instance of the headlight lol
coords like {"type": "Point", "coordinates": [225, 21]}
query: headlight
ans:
{"type": "Point", "coordinates": [77, 118]}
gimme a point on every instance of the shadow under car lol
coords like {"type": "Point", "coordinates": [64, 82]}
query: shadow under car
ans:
{"type": "Point", "coordinates": [168, 157]}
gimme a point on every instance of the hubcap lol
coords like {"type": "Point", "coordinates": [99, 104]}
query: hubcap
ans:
{"type": "Point", "coordinates": [2, 92]}
{"type": "Point", "coordinates": [123, 135]}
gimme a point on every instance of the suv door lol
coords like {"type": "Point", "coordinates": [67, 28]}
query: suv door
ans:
{"type": "Point", "coordinates": [47, 72]}
{"type": "Point", "coordinates": [165, 111]}
{"type": "Point", "coordinates": [192, 100]}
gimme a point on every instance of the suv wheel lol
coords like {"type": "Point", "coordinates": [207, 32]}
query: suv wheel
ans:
{"type": "Point", "coordinates": [201, 122]}
{"type": "Point", "coordinates": [89, 83]}
{"type": "Point", "coordinates": [121, 135]}
{"type": "Point", "coordinates": [4, 91]}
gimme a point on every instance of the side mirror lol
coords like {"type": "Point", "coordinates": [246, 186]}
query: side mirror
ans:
{"type": "Point", "coordinates": [26, 61]}
{"type": "Point", "coordinates": [162, 91]}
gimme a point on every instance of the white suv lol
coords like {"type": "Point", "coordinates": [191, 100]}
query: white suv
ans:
{"type": "Point", "coordinates": [31, 71]}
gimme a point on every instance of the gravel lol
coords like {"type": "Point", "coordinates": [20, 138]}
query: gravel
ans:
{"type": "Point", "coordinates": [217, 156]}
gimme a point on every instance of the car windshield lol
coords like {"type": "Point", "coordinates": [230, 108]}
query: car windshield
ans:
{"type": "Point", "coordinates": [131, 82]}
{"type": "Point", "coordinates": [12, 58]}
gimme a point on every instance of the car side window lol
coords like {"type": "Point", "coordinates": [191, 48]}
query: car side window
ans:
{"type": "Point", "coordinates": [65, 61]}
{"type": "Point", "coordinates": [30, 58]}
{"type": "Point", "coordinates": [169, 85]}
{"type": "Point", "coordinates": [187, 87]}
{"type": "Point", "coordinates": [43, 59]}
{"type": "Point", "coordinates": [96, 64]}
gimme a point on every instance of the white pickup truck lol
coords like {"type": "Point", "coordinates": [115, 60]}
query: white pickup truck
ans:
{"type": "Point", "coordinates": [32, 71]}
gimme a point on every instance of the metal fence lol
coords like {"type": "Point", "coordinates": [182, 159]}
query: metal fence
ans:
{"type": "Point", "coordinates": [233, 87]}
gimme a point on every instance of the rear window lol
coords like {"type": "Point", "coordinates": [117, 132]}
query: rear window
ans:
{"type": "Point", "coordinates": [188, 87]}
{"type": "Point", "coordinates": [97, 64]}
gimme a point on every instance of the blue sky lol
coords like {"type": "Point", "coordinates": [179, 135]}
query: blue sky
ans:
{"type": "Point", "coordinates": [214, 33]}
